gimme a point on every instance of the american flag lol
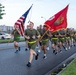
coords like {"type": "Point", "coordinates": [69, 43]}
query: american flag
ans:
{"type": "Point", "coordinates": [20, 22]}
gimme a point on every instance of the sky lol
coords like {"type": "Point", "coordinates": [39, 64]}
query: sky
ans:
{"type": "Point", "coordinates": [41, 11]}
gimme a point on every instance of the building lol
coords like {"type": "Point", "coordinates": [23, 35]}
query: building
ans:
{"type": "Point", "coordinates": [4, 28]}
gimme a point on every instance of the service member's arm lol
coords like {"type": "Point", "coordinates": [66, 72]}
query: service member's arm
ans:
{"type": "Point", "coordinates": [12, 34]}
{"type": "Point", "coordinates": [18, 30]}
{"type": "Point", "coordinates": [38, 35]}
{"type": "Point", "coordinates": [57, 34]}
{"type": "Point", "coordinates": [25, 35]}
{"type": "Point", "coordinates": [48, 34]}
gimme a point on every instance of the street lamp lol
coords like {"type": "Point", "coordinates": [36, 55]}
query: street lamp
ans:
{"type": "Point", "coordinates": [43, 18]}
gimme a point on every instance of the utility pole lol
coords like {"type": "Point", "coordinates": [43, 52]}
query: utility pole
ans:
{"type": "Point", "coordinates": [1, 11]}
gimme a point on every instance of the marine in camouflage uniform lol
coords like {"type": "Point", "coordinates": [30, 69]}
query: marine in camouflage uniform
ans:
{"type": "Point", "coordinates": [40, 30]}
{"type": "Point", "coordinates": [61, 39]}
{"type": "Point", "coordinates": [31, 35]}
{"type": "Point", "coordinates": [54, 40]}
{"type": "Point", "coordinates": [26, 43]}
{"type": "Point", "coordinates": [16, 36]}
{"type": "Point", "coordinates": [68, 37]}
{"type": "Point", "coordinates": [45, 40]}
{"type": "Point", "coordinates": [74, 37]}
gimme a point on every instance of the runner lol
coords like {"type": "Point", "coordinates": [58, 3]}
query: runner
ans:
{"type": "Point", "coordinates": [61, 39]}
{"type": "Point", "coordinates": [28, 27]}
{"type": "Point", "coordinates": [40, 30]}
{"type": "Point", "coordinates": [31, 35]}
{"type": "Point", "coordinates": [45, 40]}
{"type": "Point", "coordinates": [74, 37]}
{"type": "Point", "coordinates": [68, 37]}
{"type": "Point", "coordinates": [54, 40]}
{"type": "Point", "coordinates": [16, 35]}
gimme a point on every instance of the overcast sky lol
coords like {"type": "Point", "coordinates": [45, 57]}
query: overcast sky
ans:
{"type": "Point", "coordinates": [45, 8]}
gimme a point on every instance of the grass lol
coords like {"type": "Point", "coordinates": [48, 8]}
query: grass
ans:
{"type": "Point", "coordinates": [70, 69]}
{"type": "Point", "coordinates": [10, 40]}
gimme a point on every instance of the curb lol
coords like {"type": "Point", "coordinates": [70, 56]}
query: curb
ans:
{"type": "Point", "coordinates": [63, 63]}
{"type": "Point", "coordinates": [65, 68]}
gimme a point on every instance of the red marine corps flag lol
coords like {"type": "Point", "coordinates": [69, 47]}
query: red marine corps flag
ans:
{"type": "Point", "coordinates": [58, 21]}
{"type": "Point", "coordinates": [20, 22]}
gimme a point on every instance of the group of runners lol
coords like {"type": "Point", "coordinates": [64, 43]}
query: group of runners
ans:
{"type": "Point", "coordinates": [41, 36]}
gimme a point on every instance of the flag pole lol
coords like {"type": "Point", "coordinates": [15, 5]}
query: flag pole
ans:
{"type": "Point", "coordinates": [29, 17]}
{"type": "Point", "coordinates": [42, 36]}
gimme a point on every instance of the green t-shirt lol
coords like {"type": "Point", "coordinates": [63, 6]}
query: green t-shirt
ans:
{"type": "Point", "coordinates": [68, 34]}
{"type": "Point", "coordinates": [62, 33]}
{"type": "Point", "coordinates": [16, 35]}
{"type": "Point", "coordinates": [40, 31]}
{"type": "Point", "coordinates": [74, 36]}
{"type": "Point", "coordinates": [31, 33]}
{"type": "Point", "coordinates": [55, 34]}
{"type": "Point", "coordinates": [46, 34]}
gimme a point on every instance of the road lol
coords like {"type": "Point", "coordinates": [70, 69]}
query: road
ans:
{"type": "Point", "coordinates": [15, 64]}
{"type": "Point", "coordinates": [10, 45]}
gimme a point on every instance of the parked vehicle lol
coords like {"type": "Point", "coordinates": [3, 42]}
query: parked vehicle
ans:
{"type": "Point", "coordinates": [4, 35]}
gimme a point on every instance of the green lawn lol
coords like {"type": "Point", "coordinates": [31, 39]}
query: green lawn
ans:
{"type": "Point", "coordinates": [70, 69]}
{"type": "Point", "coordinates": [10, 40]}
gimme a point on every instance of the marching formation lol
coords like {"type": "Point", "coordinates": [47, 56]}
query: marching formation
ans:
{"type": "Point", "coordinates": [54, 30]}
{"type": "Point", "coordinates": [40, 37]}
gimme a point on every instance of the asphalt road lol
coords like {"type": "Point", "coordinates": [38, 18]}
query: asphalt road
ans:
{"type": "Point", "coordinates": [10, 45]}
{"type": "Point", "coordinates": [15, 64]}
